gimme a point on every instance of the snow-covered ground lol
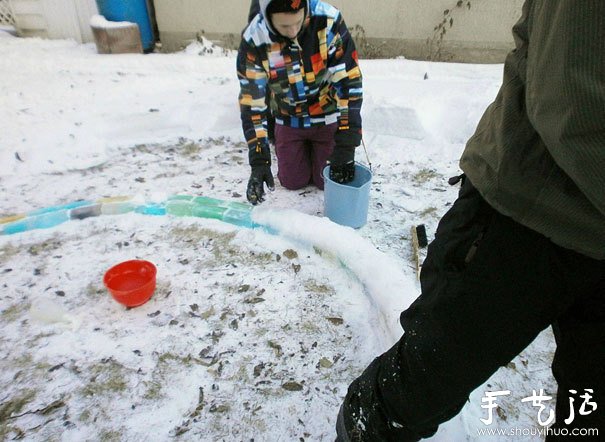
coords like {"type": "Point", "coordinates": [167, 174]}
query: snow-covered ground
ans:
{"type": "Point", "coordinates": [248, 335]}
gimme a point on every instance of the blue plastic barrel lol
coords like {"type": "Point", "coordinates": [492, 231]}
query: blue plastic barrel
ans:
{"type": "Point", "coordinates": [347, 204]}
{"type": "Point", "coordinates": [134, 11]}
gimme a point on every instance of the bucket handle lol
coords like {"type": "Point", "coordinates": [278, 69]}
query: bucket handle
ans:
{"type": "Point", "coordinates": [366, 152]}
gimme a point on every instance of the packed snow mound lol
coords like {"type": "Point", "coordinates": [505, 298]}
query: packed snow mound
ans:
{"type": "Point", "coordinates": [397, 121]}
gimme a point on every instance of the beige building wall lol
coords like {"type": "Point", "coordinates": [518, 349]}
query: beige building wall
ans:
{"type": "Point", "coordinates": [382, 28]}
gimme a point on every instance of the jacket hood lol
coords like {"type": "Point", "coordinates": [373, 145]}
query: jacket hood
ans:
{"type": "Point", "coordinates": [263, 10]}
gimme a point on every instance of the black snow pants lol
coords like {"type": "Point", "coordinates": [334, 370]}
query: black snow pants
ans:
{"type": "Point", "coordinates": [489, 287]}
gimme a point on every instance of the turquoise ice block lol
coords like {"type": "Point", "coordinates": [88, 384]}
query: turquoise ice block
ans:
{"type": "Point", "coordinates": [179, 208]}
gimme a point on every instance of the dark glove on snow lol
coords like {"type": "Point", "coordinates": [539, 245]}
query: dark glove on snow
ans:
{"type": "Point", "coordinates": [259, 176]}
{"type": "Point", "coordinates": [342, 164]}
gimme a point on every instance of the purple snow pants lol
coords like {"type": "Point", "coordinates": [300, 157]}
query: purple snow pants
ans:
{"type": "Point", "coordinates": [302, 154]}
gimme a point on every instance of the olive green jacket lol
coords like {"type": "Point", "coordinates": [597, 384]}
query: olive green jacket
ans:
{"type": "Point", "coordinates": [538, 154]}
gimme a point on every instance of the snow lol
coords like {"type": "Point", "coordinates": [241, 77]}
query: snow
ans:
{"type": "Point", "coordinates": [248, 335]}
{"type": "Point", "coordinates": [100, 22]}
{"type": "Point", "coordinates": [7, 31]}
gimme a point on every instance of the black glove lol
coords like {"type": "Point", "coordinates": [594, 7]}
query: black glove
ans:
{"type": "Point", "coordinates": [258, 177]}
{"type": "Point", "coordinates": [342, 164]}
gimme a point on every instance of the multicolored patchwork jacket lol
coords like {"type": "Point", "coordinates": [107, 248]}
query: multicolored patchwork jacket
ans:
{"type": "Point", "coordinates": [314, 80]}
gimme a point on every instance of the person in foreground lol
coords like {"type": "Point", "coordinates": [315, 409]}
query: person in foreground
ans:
{"type": "Point", "coordinates": [521, 249]}
{"type": "Point", "coordinates": [302, 53]}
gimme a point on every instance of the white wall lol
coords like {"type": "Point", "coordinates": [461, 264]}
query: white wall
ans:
{"type": "Point", "coordinates": [85, 9]}
{"type": "Point", "coordinates": [392, 27]}
{"type": "Point", "coordinates": [400, 27]}
{"type": "Point", "coordinates": [55, 18]}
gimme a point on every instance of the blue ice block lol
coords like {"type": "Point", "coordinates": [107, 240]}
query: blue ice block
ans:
{"type": "Point", "coordinates": [68, 206]}
{"type": "Point", "coordinates": [156, 209]}
{"type": "Point", "coordinates": [239, 218]}
{"type": "Point", "coordinates": [42, 221]}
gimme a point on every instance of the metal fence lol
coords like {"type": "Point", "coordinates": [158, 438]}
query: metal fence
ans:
{"type": "Point", "coordinates": [6, 13]}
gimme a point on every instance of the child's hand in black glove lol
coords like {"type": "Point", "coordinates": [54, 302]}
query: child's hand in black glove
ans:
{"type": "Point", "coordinates": [342, 164]}
{"type": "Point", "coordinates": [258, 177]}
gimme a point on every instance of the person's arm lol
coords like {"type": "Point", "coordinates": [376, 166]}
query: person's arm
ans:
{"type": "Point", "coordinates": [346, 78]}
{"type": "Point", "coordinates": [253, 108]}
{"type": "Point", "coordinates": [566, 89]}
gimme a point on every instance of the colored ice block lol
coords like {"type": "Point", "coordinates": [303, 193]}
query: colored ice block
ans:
{"type": "Point", "coordinates": [117, 208]}
{"type": "Point", "coordinates": [86, 211]}
{"type": "Point", "coordinates": [68, 206]}
{"type": "Point", "coordinates": [179, 207]}
{"type": "Point", "coordinates": [42, 221]}
{"type": "Point", "coordinates": [239, 218]}
{"type": "Point", "coordinates": [152, 209]}
{"type": "Point", "coordinates": [214, 212]}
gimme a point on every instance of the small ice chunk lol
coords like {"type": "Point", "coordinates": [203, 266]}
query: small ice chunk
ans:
{"type": "Point", "coordinates": [49, 312]}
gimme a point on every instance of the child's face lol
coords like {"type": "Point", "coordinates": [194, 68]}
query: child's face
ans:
{"type": "Point", "coordinates": [288, 24]}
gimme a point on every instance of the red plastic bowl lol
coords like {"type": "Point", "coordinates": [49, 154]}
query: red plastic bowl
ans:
{"type": "Point", "coordinates": [131, 283]}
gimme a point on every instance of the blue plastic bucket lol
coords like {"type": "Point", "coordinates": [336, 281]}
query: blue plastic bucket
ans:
{"type": "Point", "coordinates": [347, 204]}
{"type": "Point", "coordinates": [134, 11]}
